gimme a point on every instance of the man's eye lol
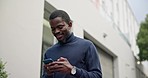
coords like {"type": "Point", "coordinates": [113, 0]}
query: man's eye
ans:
{"type": "Point", "coordinates": [60, 27]}
{"type": "Point", "coordinates": [52, 29]}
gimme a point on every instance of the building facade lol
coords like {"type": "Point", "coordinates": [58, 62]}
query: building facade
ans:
{"type": "Point", "coordinates": [109, 24]}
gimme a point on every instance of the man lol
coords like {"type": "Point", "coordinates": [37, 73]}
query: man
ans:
{"type": "Point", "coordinates": [73, 57]}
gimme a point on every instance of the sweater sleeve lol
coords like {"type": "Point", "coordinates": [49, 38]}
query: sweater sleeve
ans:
{"type": "Point", "coordinates": [46, 76]}
{"type": "Point", "coordinates": [92, 64]}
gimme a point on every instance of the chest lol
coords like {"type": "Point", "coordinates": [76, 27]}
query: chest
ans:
{"type": "Point", "coordinates": [74, 53]}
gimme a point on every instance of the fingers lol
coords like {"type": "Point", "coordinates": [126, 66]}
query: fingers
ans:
{"type": "Point", "coordinates": [61, 65]}
{"type": "Point", "coordinates": [59, 62]}
{"type": "Point", "coordinates": [60, 68]}
{"type": "Point", "coordinates": [48, 71]}
{"type": "Point", "coordinates": [57, 68]}
{"type": "Point", "coordinates": [62, 59]}
{"type": "Point", "coordinates": [54, 68]}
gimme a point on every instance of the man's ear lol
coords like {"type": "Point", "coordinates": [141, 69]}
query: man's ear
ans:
{"type": "Point", "coordinates": [70, 23]}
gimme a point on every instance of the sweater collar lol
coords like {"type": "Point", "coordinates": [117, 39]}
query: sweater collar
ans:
{"type": "Point", "coordinates": [69, 39]}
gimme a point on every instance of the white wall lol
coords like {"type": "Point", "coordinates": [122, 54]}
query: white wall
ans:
{"type": "Point", "coordinates": [21, 24]}
{"type": "Point", "coordinates": [88, 18]}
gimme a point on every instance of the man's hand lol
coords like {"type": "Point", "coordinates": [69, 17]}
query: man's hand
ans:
{"type": "Point", "coordinates": [61, 65]}
{"type": "Point", "coordinates": [48, 68]}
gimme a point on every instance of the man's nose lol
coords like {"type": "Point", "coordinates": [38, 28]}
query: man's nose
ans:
{"type": "Point", "coordinates": [57, 31]}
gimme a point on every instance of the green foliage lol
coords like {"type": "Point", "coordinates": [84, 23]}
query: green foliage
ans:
{"type": "Point", "coordinates": [3, 73]}
{"type": "Point", "coordinates": [142, 40]}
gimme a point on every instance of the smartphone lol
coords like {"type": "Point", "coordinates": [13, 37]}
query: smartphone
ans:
{"type": "Point", "coordinates": [46, 61]}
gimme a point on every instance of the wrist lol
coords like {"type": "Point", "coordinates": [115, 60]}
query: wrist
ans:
{"type": "Point", "coordinates": [73, 70]}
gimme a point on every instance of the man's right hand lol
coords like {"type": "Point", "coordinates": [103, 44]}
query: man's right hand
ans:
{"type": "Point", "coordinates": [49, 68]}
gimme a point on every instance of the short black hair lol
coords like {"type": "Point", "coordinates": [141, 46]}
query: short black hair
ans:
{"type": "Point", "coordinates": [60, 13]}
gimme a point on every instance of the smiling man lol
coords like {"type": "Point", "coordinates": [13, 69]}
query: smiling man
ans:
{"type": "Point", "coordinates": [73, 57]}
{"type": "Point", "coordinates": [60, 28]}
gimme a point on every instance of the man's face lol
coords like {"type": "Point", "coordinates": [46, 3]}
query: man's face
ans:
{"type": "Point", "coordinates": [60, 28]}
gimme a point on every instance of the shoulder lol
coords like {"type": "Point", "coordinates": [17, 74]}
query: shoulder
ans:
{"type": "Point", "coordinates": [53, 47]}
{"type": "Point", "coordinates": [84, 41]}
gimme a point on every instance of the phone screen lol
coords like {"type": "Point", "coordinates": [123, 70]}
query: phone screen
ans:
{"type": "Point", "coordinates": [46, 61]}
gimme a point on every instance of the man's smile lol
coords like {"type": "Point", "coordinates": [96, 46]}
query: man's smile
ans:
{"type": "Point", "coordinates": [59, 36]}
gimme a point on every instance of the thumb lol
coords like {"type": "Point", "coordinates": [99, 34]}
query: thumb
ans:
{"type": "Point", "coordinates": [62, 59]}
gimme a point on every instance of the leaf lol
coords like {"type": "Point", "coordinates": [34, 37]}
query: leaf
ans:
{"type": "Point", "coordinates": [142, 40]}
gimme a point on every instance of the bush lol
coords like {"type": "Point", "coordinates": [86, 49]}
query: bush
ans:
{"type": "Point", "coordinates": [3, 73]}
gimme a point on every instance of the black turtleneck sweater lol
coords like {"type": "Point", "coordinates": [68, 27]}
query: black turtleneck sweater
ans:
{"type": "Point", "coordinates": [80, 53]}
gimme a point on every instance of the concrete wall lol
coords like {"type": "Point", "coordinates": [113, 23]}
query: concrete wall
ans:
{"type": "Point", "coordinates": [21, 23]}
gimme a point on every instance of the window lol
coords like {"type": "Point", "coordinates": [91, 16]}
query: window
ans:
{"type": "Point", "coordinates": [47, 38]}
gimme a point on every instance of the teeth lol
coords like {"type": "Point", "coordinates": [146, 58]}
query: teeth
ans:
{"type": "Point", "coordinates": [58, 36]}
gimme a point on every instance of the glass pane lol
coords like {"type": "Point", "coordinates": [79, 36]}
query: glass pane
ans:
{"type": "Point", "coordinates": [47, 40]}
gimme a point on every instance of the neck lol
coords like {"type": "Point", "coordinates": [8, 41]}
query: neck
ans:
{"type": "Point", "coordinates": [67, 37]}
